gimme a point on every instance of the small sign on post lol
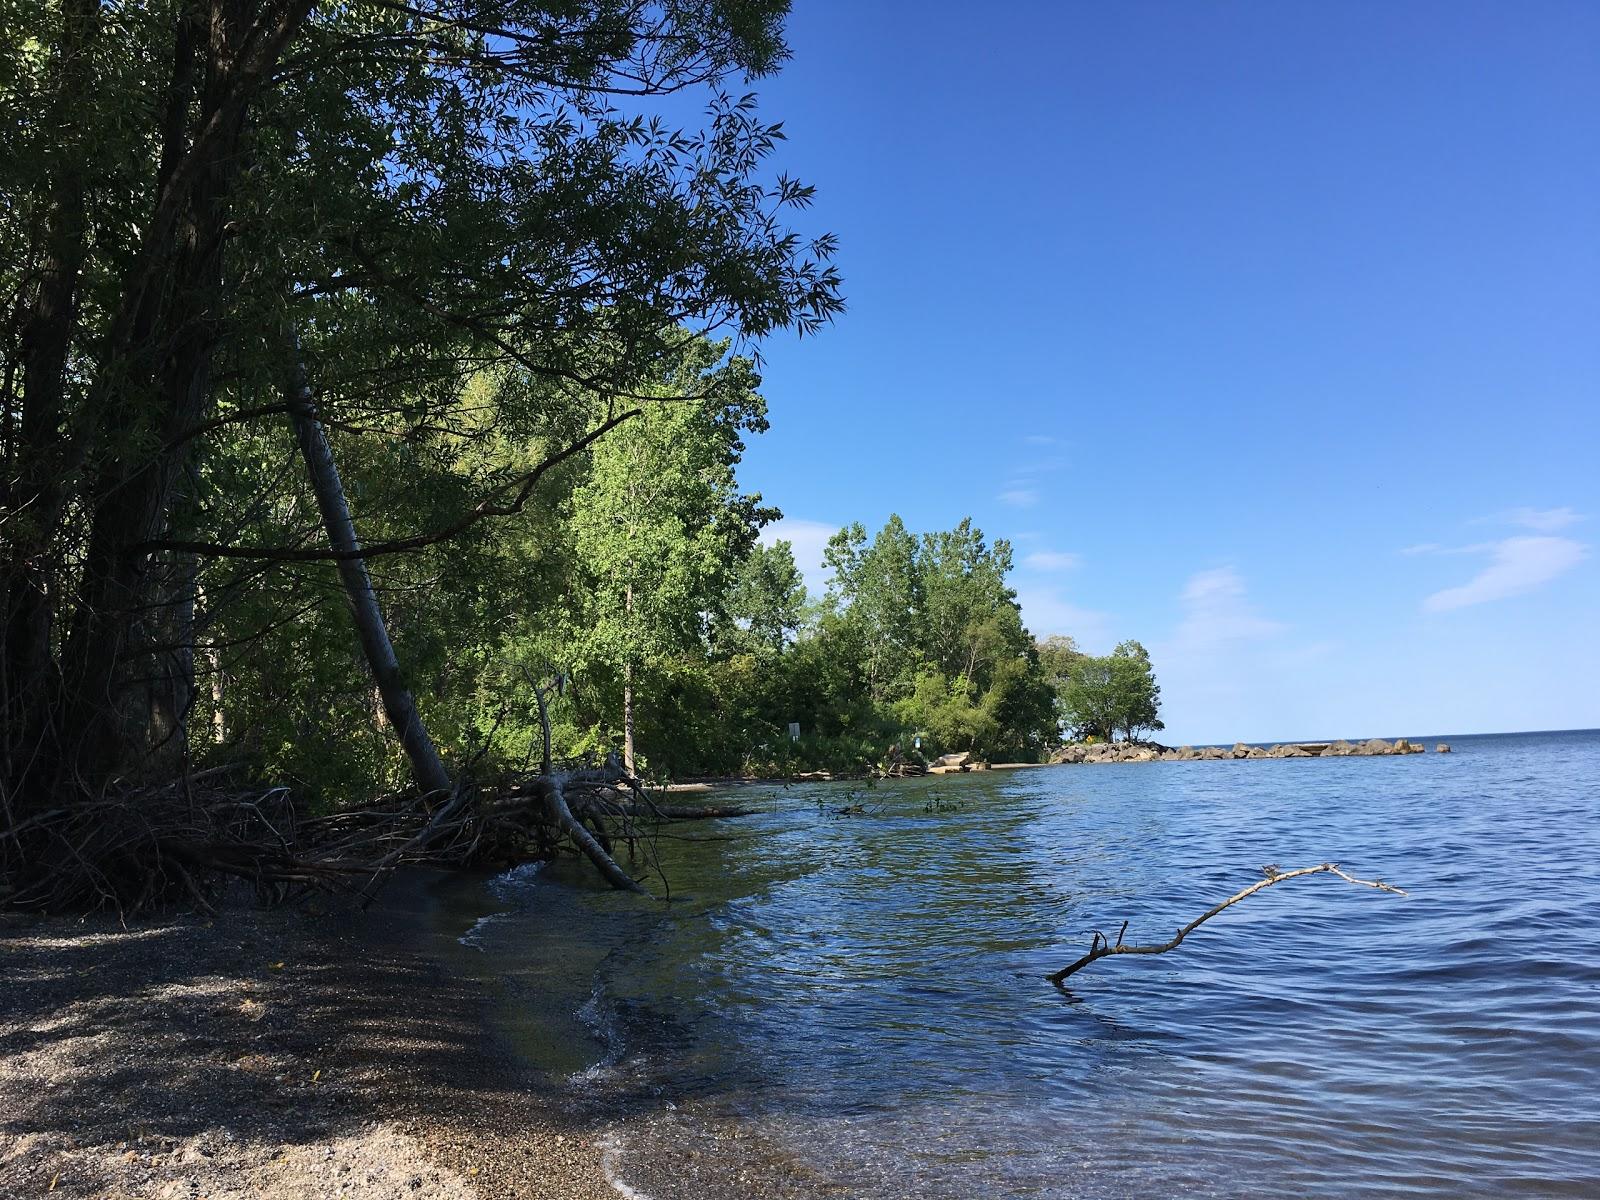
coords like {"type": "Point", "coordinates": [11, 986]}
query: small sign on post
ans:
{"type": "Point", "coordinates": [794, 731]}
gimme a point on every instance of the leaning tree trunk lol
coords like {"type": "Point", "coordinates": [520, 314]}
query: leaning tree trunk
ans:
{"type": "Point", "coordinates": [627, 694]}
{"type": "Point", "coordinates": [427, 769]}
{"type": "Point", "coordinates": [627, 716]}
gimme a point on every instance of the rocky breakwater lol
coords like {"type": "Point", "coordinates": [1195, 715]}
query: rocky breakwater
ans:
{"type": "Point", "coordinates": [1109, 752]}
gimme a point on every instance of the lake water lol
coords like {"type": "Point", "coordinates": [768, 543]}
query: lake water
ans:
{"type": "Point", "coordinates": [855, 1005]}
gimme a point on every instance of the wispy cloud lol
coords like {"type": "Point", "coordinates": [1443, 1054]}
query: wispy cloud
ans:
{"type": "Point", "coordinates": [1519, 565]}
{"type": "Point", "coordinates": [809, 539]}
{"type": "Point", "coordinates": [1019, 497]}
{"type": "Point", "coordinates": [1051, 560]}
{"type": "Point", "coordinates": [1437, 548]}
{"type": "Point", "coordinates": [1046, 612]}
{"type": "Point", "coordinates": [1542, 520]}
{"type": "Point", "coordinates": [1217, 611]}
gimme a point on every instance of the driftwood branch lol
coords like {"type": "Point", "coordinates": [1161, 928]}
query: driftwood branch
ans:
{"type": "Point", "coordinates": [1101, 946]}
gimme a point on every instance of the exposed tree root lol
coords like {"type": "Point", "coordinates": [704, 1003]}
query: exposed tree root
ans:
{"type": "Point", "coordinates": [139, 847]}
{"type": "Point", "coordinates": [1101, 946]}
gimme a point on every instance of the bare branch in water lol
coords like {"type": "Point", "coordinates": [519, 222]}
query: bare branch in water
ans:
{"type": "Point", "coordinates": [1100, 946]}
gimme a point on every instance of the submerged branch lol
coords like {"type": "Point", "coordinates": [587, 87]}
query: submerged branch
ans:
{"type": "Point", "coordinates": [1101, 946]}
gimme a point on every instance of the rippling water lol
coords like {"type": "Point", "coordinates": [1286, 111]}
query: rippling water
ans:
{"type": "Point", "coordinates": [861, 997]}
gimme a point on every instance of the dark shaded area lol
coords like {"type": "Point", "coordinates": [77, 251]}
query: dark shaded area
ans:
{"type": "Point", "coordinates": [261, 1029]}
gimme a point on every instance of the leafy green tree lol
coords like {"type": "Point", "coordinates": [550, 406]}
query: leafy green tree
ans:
{"type": "Point", "coordinates": [1116, 693]}
{"type": "Point", "coordinates": [431, 197]}
{"type": "Point", "coordinates": [765, 605]}
{"type": "Point", "coordinates": [660, 529]}
{"type": "Point", "coordinates": [874, 598]}
{"type": "Point", "coordinates": [1138, 693]}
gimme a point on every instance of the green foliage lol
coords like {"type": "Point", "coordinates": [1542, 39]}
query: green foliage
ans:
{"type": "Point", "coordinates": [1117, 693]}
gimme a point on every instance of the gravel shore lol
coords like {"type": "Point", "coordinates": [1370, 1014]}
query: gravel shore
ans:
{"type": "Point", "coordinates": [274, 1054]}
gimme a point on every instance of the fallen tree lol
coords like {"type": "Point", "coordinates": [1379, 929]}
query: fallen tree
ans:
{"type": "Point", "coordinates": [1100, 946]}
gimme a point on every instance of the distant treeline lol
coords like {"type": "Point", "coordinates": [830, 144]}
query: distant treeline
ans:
{"type": "Point", "coordinates": [639, 577]}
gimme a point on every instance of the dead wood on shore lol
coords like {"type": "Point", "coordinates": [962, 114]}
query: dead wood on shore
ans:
{"type": "Point", "coordinates": [133, 847]}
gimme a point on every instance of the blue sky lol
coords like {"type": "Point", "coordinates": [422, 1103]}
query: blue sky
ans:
{"type": "Point", "coordinates": [1266, 331]}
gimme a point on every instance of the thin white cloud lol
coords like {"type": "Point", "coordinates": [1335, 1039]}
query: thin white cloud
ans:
{"type": "Point", "coordinates": [1436, 548]}
{"type": "Point", "coordinates": [1019, 497]}
{"type": "Point", "coordinates": [1520, 564]}
{"type": "Point", "coordinates": [1047, 613]}
{"type": "Point", "coordinates": [1051, 560]}
{"type": "Point", "coordinates": [809, 539]}
{"type": "Point", "coordinates": [1543, 520]}
{"type": "Point", "coordinates": [1217, 612]}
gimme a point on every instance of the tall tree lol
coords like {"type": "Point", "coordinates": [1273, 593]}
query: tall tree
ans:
{"type": "Point", "coordinates": [660, 528]}
{"type": "Point", "coordinates": [429, 193]}
{"type": "Point", "coordinates": [765, 605]}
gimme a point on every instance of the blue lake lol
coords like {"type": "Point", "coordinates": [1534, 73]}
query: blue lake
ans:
{"type": "Point", "coordinates": [855, 1005]}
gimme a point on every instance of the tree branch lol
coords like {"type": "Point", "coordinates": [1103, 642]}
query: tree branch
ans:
{"type": "Point", "coordinates": [1101, 946]}
{"type": "Point", "coordinates": [480, 512]}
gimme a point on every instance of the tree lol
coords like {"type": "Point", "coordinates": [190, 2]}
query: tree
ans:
{"type": "Point", "coordinates": [765, 605]}
{"type": "Point", "coordinates": [1138, 695]}
{"type": "Point", "coordinates": [873, 599]}
{"type": "Point", "coordinates": [429, 196]}
{"type": "Point", "coordinates": [1115, 693]}
{"type": "Point", "coordinates": [660, 528]}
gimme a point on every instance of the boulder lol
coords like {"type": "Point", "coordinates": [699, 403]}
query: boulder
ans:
{"type": "Point", "coordinates": [1213, 753]}
{"type": "Point", "coordinates": [1256, 752]}
{"type": "Point", "coordinates": [1290, 751]}
{"type": "Point", "coordinates": [1374, 746]}
{"type": "Point", "coordinates": [1240, 750]}
{"type": "Point", "coordinates": [1442, 748]}
{"type": "Point", "coordinates": [1335, 749]}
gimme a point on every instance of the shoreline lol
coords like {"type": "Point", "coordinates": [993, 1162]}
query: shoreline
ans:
{"type": "Point", "coordinates": [270, 1053]}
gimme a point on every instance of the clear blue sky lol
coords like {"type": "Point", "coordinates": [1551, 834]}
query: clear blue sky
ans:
{"type": "Point", "coordinates": [1269, 332]}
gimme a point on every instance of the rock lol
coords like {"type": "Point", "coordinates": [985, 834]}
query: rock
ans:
{"type": "Point", "coordinates": [1335, 749]}
{"type": "Point", "coordinates": [1256, 752]}
{"type": "Point", "coordinates": [1374, 746]}
{"type": "Point", "coordinates": [1240, 750]}
{"type": "Point", "coordinates": [1442, 748]}
{"type": "Point", "coordinates": [1290, 750]}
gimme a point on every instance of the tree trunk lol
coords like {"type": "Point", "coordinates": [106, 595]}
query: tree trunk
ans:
{"type": "Point", "coordinates": [36, 490]}
{"type": "Point", "coordinates": [627, 716]}
{"type": "Point", "coordinates": [627, 687]}
{"type": "Point", "coordinates": [427, 769]}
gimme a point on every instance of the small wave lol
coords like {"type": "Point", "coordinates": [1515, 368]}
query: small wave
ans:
{"type": "Point", "coordinates": [610, 1154]}
{"type": "Point", "coordinates": [506, 888]}
{"type": "Point", "coordinates": [602, 1024]}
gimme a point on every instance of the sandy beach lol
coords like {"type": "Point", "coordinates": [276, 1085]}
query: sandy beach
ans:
{"type": "Point", "coordinates": [287, 1053]}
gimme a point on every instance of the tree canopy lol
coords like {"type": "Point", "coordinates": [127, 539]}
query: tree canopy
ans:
{"type": "Point", "coordinates": [460, 215]}
{"type": "Point", "coordinates": [1117, 693]}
